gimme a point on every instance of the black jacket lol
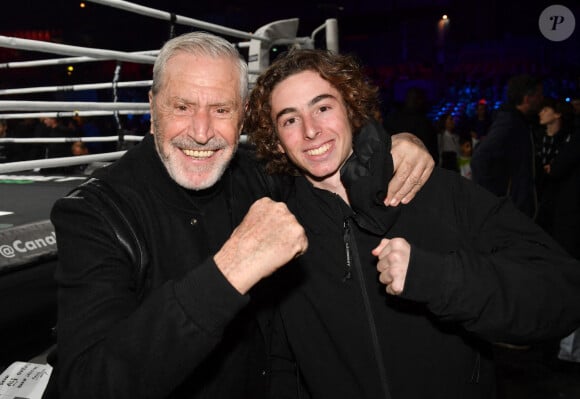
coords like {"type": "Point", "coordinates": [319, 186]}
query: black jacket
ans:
{"type": "Point", "coordinates": [190, 335]}
{"type": "Point", "coordinates": [559, 207]}
{"type": "Point", "coordinates": [480, 272]}
{"type": "Point", "coordinates": [503, 162]}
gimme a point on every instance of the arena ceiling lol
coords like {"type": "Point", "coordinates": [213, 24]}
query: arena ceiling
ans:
{"type": "Point", "coordinates": [383, 31]}
{"type": "Point", "coordinates": [104, 25]}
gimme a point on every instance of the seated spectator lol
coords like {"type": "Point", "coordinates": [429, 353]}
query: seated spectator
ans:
{"type": "Point", "coordinates": [79, 148]}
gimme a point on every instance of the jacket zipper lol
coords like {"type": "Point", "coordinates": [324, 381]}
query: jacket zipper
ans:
{"type": "Point", "coordinates": [476, 369]}
{"type": "Point", "coordinates": [345, 237]}
{"type": "Point", "coordinates": [352, 254]}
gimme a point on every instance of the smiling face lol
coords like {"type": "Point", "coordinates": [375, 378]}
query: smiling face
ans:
{"type": "Point", "coordinates": [312, 124]}
{"type": "Point", "coordinates": [196, 118]}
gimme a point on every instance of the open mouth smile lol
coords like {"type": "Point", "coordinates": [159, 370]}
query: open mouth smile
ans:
{"type": "Point", "coordinates": [199, 154]}
{"type": "Point", "coordinates": [320, 150]}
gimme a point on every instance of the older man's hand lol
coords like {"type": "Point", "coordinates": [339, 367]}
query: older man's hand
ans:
{"type": "Point", "coordinates": [413, 165]}
{"type": "Point", "coordinates": [267, 239]}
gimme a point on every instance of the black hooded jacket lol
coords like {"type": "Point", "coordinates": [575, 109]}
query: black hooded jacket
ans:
{"type": "Point", "coordinates": [480, 272]}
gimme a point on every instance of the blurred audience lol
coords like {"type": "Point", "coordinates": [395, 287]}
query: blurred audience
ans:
{"type": "Point", "coordinates": [411, 116]}
{"type": "Point", "coordinates": [55, 128]}
{"type": "Point", "coordinates": [479, 123]}
{"type": "Point", "coordinates": [503, 163]}
{"type": "Point", "coordinates": [447, 142]}
{"type": "Point", "coordinates": [24, 128]}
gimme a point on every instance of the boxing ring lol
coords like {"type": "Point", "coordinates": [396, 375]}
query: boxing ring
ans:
{"type": "Point", "coordinates": [28, 188]}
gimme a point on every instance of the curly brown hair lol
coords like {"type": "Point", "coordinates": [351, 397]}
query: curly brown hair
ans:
{"type": "Point", "coordinates": [343, 72]}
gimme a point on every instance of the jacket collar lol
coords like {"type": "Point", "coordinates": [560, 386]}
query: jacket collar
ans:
{"type": "Point", "coordinates": [318, 210]}
{"type": "Point", "coordinates": [312, 206]}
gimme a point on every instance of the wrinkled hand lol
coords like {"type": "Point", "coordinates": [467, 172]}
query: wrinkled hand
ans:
{"type": "Point", "coordinates": [268, 238]}
{"type": "Point", "coordinates": [413, 166]}
{"type": "Point", "coordinates": [394, 256]}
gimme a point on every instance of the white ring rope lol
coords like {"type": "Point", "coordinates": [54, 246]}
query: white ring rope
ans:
{"type": "Point", "coordinates": [65, 49]}
{"type": "Point", "coordinates": [167, 16]}
{"type": "Point", "coordinates": [41, 140]}
{"type": "Point", "coordinates": [68, 106]}
{"type": "Point", "coordinates": [80, 87]}
{"type": "Point", "coordinates": [63, 61]}
{"type": "Point", "coordinates": [59, 162]}
{"type": "Point", "coordinates": [70, 114]}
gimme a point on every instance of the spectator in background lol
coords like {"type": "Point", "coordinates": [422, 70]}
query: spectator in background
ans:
{"type": "Point", "coordinates": [503, 163]}
{"type": "Point", "coordinates": [559, 197]}
{"type": "Point", "coordinates": [79, 148]}
{"type": "Point", "coordinates": [412, 117]}
{"type": "Point", "coordinates": [55, 128]}
{"type": "Point", "coordinates": [25, 128]}
{"type": "Point", "coordinates": [448, 142]}
{"type": "Point", "coordinates": [464, 157]}
{"type": "Point", "coordinates": [559, 182]}
{"type": "Point", "coordinates": [479, 124]}
{"type": "Point", "coordinates": [88, 127]}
